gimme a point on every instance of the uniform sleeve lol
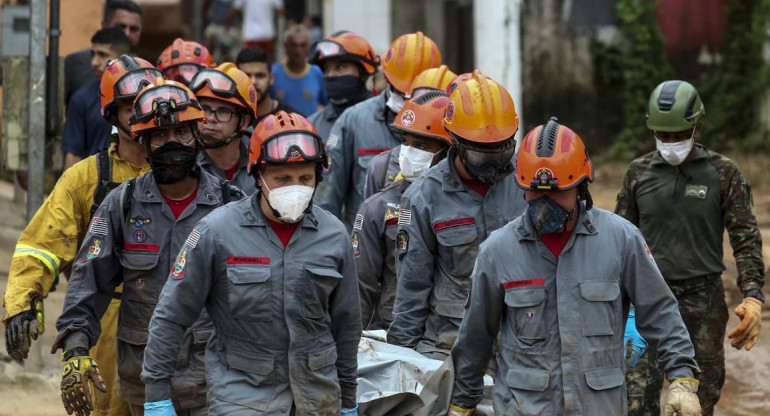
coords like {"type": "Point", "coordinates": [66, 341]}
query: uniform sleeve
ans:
{"type": "Point", "coordinates": [73, 136]}
{"type": "Point", "coordinates": [369, 252]}
{"type": "Point", "coordinates": [181, 301]}
{"type": "Point", "coordinates": [742, 228]}
{"type": "Point", "coordinates": [47, 244]}
{"type": "Point", "coordinates": [657, 311]}
{"type": "Point", "coordinates": [473, 349]}
{"type": "Point", "coordinates": [345, 324]}
{"type": "Point", "coordinates": [339, 175]}
{"type": "Point", "coordinates": [374, 174]}
{"type": "Point", "coordinates": [416, 250]}
{"type": "Point", "coordinates": [626, 201]}
{"type": "Point", "coordinates": [95, 275]}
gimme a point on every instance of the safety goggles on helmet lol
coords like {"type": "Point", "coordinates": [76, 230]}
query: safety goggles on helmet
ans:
{"type": "Point", "coordinates": [219, 83]}
{"type": "Point", "coordinates": [162, 101]}
{"type": "Point", "coordinates": [129, 84]}
{"type": "Point", "coordinates": [326, 49]}
{"type": "Point", "coordinates": [477, 155]}
{"type": "Point", "coordinates": [293, 147]}
{"type": "Point", "coordinates": [183, 73]}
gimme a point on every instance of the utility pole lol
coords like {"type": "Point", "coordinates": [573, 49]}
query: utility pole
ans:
{"type": "Point", "coordinates": [36, 146]}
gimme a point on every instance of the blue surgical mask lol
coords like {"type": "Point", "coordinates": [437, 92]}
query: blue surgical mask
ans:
{"type": "Point", "coordinates": [547, 216]}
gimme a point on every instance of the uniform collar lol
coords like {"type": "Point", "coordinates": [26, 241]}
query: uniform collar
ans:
{"type": "Point", "coordinates": [254, 217]}
{"type": "Point", "coordinates": [380, 109]}
{"type": "Point", "coordinates": [585, 225]}
{"type": "Point", "coordinates": [206, 195]}
{"type": "Point", "coordinates": [451, 179]}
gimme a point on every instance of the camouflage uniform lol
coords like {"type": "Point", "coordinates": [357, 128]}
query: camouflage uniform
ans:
{"type": "Point", "coordinates": [682, 213]}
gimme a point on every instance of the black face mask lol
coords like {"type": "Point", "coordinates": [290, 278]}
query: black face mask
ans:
{"type": "Point", "coordinates": [172, 162]}
{"type": "Point", "coordinates": [343, 89]}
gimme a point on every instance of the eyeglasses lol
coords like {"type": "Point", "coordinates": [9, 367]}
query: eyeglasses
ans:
{"type": "Point", "coordinates": [129, 84]}
{"type": "Point", "coordinates": [183, 73]}
{"type": "Point", "coordinates": [182, 134]}
{"type": "Point", "coordinates": [293, 147]}
{"type": "Point", "coordinates": [222, 115]}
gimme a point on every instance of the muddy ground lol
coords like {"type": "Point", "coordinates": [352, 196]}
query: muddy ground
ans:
{"type": "Point", "coordinates": [32, 389]}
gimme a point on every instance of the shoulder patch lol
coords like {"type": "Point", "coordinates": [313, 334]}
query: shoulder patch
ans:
{"type": "Point", "coordinates": [402, 243]}
{"type": "Point", "coordinates": [359, 222]}
{"type": "Point", "coordinates": [177, 272]}
{"type": "Point", "coordinates": [94, 250]}
{"type": "Point", "coordinates": [404, 217]}
{"type": "Point", "coordinates": [98, 226]}
{"type": "Point", "coordinates": [355, 242]}
{"type": "Point", "coordinates": [192, 239]}
{"type": "Point", "coordinates": [333, 140]}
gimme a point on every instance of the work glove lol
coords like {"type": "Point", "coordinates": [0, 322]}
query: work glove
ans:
{"type": "Point", "coordinates": [682, 398]}
{"type": "Point", "coordinates": [459, 411]}
{"type": "Point", "coordinates": [21, 329]}
{"type": "Point", "coordinates": [79, 369]}
{"type": "Point", "coordinates": [747, 332]}
{"type": "Point", "coordinates": [638, 344]}
{"type": "Point", "coordinates": [347, 412]}
{"type": "Point", "coordinates": [161, 408]}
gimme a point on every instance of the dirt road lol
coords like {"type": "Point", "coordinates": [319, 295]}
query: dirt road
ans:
{"type": "Point", "coordinates": [32, 390]}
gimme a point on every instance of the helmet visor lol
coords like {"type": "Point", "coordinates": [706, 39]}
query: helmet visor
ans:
{"type": "Point", "coordinates": [326, 49]}
{"type": "Point", "coordinates": [293, 147]}
{"type": "Point", "coordinates": [183, 73]}
{"type": "Point", "coordinates": [129, 84]}
{"type": "Point", "coordinates": [148, 103]}
{"type": "Point", "coordinates": [480, 156]}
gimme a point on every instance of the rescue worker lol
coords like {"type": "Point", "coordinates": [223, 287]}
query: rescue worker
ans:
{"type": "Point", "coordinates": [555, 286]}
{"type": "Point", "coordinates": [449, 211]}
{"type": "Point", "coordinates": [682, 197]}
{"type": "Point", "coordinates": [277, 275]}
{"type": "Point", "coordinates": [363, 131]}
{"type": "Point", "coordinates": [374, 231]}
{"type": "Point", "coordinates": [181, 60]}
{"type": "Point", "coordinates": [229, 101]}
{"type": "Point", "coordinates": [132, 239]}
{"type": "Point", "coordinates": [384, 167]}
{"type": "Point", "coordinates": [50, 240]}
{"type": "Point", "coordinates": [347, 61]}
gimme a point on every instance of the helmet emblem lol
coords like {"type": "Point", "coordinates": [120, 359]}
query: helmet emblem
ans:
{"type": "Point", "coordinates": [252, 94]}
{"type": "Point", "coordinates": [544, 177]}
{"type": "Point", "coordinates": [407, 118]}
{"type": "Point", "coordinates": [450, 110]}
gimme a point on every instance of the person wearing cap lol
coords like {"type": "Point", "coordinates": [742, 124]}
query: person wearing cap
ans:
{"type": "Point", "coordinates": [449, 211]}
{"type": "Point", "coordinates": [41, 253]}
{"type": "Point", "coordinates": [229, 102]}
{"type": "Point", "coordinates": [683, 197]}
{"type": "Point", "coordinates": [552, 290]}
{"type": "Point", "coordinates": [347, 61]}
{"type": "Point", "coordinates": [384, 167]}
{"type": "Point", "coordinates": [363, 130]}
{"type": "Point", "coordinates": [374, 232]}
{"type": "Point", "coordinates": [181, 60]}
{"type": "Point", "coordinates": [132, 240]}
{"type": "Point", "coordinates": [278, 277]}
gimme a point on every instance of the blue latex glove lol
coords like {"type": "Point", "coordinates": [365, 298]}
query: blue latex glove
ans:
{"type": "Point", "coordinates": [349, 412]}
{"type": "Point", "coordinates": [161, 408]}
{"type": "Point", "coordinates": [638, 344]}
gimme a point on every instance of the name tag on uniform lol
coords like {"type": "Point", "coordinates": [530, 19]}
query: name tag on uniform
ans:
{"type": "Point", "coordinates": [696, 191]}
{"type": "Point", "coordinates": [233, 260]}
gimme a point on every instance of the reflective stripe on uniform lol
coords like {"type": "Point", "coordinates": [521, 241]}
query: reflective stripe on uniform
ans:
{"type": "Point", "coordinates": [49, 259]}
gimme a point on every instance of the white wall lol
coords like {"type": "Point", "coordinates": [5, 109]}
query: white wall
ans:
{"type": "Point", "coordinates": [368, 18]}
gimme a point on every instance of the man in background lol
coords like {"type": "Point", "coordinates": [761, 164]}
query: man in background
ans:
{"type": "Point", "coordinates": [255, 63]}
{"type": "Point", "coordinates": [258, 22]}
{"type": "Point", "coordinates": [298, 83]}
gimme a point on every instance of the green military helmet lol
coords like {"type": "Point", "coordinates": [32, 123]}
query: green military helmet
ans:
{"type": "Point", "coordinates": [674, 106]}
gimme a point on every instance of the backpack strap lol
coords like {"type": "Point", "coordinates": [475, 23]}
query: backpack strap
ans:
{"type": "Point", "coordinates": [104, 184]}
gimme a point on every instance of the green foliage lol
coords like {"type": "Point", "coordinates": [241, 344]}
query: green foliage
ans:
{"type": "Point", "coordinates": [732, 92]}
{"type": "Point", "coordinates": [644, 65]}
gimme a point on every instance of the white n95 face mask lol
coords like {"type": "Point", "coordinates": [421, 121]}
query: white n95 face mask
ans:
{"type": "Point", "coordinates": [289, 201]}
{"type": "Point", "coordinates": [414, 162]}
{"type": "Point", "coordinates": [395, 101]}
{"type": "Point", "coordinates": [675, 153]}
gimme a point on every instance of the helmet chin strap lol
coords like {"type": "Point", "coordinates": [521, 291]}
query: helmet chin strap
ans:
{"type": "Point", "coordinates": [216, 142]}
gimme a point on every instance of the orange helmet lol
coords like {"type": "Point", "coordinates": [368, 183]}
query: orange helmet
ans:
{"type": "Point", "coordinates": [164, 103]}
{"type": "Point", "coordinates": [226, 83]}
{"type": "Point", "coordinates": [552, 157]}
{"type": "Point", "coordinates": [407, 57]}
{"type": "Point", "coordinates": [422, 116]}
{"type": "Point", "coordinates": [284, 138]}
{"type": "Point", "coordinates": [348, 46]}
{"type": "Point", "coordinates": [183, 59]}
{"type": "Point", "coordinates": [432, 78]}
{"type": "Point", "coordinates": [122, 80]}
{"type": "Point", "coordinates": [481, 110]}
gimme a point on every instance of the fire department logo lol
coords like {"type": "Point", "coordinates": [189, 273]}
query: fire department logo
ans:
{"type": "Point", "coordinates": [544, 177]}
{"type": "Point", "coordinates": [140, 236]}
{"type": "Point", "coordinates": [407, 119]}
{"type": "Point", "coordinates": [450, 110]}
{"type": "Point", "coordinates": [94, 250]}
{"type": "Point", "coordinates": [178, 271]}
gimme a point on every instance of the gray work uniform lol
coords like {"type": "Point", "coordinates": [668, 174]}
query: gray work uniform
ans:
{"type": "Point", "coordinates": [361, 133]}
{"type": "Point", "coordinates": [561, 320]}
{"type": "Point", "coordinates": [382, 171]}
{"type": "Point", "coordinates": [137, 248]}
{"type": "Point", "coordinates": [241, 180]}
{"type": "Point", "coordinates": [441, 224]}
{"type": "Point", "coordinates": [374, 243]}
{"type": "Point", "coordinates": [287, 320]}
